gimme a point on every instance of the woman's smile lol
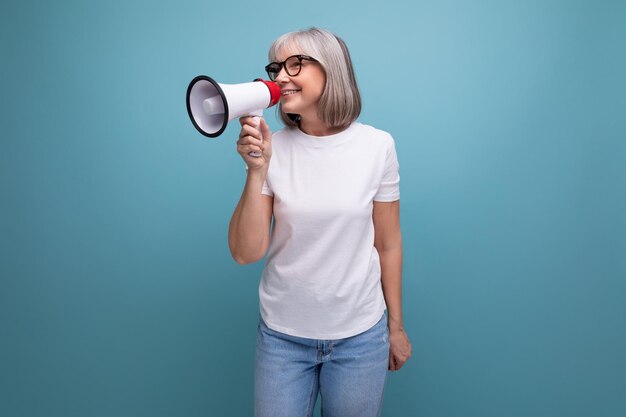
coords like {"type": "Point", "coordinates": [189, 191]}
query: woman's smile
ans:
{"type": "Point", "coordinates": [289, 92]}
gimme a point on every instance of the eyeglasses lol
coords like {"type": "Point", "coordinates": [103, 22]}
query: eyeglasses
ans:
{"type": "Point", "coordinates": [292, 65]}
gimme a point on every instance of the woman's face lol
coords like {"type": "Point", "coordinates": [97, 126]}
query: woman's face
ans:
{"type": "Point", "coordinates": [300, 94]}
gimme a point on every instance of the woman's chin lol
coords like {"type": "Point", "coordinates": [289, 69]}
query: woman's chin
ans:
{"type": "Point", "coordinates": [289, 109]}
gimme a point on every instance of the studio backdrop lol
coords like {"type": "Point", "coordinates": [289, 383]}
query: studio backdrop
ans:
{"type": "Point", "coordinates": [118, 294]}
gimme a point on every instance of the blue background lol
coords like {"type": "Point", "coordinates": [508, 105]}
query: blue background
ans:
{"type": "Point", "coordinates": [118, 294]}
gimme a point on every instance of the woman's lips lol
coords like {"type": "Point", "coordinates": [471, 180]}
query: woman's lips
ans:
{"type": "Point", "coordinates": [288, 92]}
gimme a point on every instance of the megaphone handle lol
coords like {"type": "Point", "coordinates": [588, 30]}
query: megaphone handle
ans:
{"type": "Point", "coordinates": [256, 116]}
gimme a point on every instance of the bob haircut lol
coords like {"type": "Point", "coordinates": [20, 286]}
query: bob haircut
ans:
{"type": "Point", "coordinates": [340, 103]}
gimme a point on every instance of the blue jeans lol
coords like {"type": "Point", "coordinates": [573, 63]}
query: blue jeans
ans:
{"type": "Point", "coordinates": [349, 373]}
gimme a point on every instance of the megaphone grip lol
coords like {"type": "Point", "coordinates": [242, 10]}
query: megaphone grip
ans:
{"type": "Point", "coordinates": [257, 119]}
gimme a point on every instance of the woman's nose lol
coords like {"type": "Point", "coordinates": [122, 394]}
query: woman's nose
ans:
{"type": "Point", "coordinates": [282, 76]}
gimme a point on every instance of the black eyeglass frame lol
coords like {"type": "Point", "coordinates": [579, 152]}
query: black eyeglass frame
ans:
{"type": "Point", "coordinates": [280, 65]}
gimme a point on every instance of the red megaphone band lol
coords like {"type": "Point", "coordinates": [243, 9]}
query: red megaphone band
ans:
{"type": "Point", "coordinates": [274, 91]}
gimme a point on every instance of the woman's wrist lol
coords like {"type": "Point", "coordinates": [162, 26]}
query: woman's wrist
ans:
{"type": "Point", "coordinates": [260, 171]}
{"type": "Point", "coordinates": [395, 324]}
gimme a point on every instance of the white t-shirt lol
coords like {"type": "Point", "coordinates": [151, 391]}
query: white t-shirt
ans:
{"type": "Point", "coordinates": [321, 279]}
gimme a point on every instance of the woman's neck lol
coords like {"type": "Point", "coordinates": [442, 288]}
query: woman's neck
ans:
{"type": "Point", "coordinates": [319, 128]}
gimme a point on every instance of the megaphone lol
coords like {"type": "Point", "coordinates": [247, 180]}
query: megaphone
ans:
{"type": "Point", "coordinates": [212, 105]}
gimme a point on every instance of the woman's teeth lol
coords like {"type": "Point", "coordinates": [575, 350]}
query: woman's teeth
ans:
{"type": "Point", "coordinates": [289, 92]}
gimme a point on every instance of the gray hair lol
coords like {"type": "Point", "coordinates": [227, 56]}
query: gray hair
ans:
{"type": "Point", "coordinates": [340, 103]}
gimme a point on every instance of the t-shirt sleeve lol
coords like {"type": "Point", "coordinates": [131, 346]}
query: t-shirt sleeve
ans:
{"type": "Point", "coordinates": [389, 188]}
{"type": "Point", "coordinates": [266, 189]}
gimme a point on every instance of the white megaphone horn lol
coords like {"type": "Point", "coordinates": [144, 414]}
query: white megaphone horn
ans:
{"type": "Point", "coordinates": [211, 105]}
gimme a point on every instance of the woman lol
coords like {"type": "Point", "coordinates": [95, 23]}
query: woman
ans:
{"type": "Point", "coordinates": [335, 251]}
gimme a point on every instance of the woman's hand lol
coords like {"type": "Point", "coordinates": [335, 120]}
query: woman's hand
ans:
{"type": "Point", "coordinates": [255, 138]}
{"type": "Point", "coordinates": [399, 348]}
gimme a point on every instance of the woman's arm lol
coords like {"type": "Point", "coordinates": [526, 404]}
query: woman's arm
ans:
{"type": "Point", "coordinates": [249, 228]}
{"type": "Point", "coordinates": [388, 243]}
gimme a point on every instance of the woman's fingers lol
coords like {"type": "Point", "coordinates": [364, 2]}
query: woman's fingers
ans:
{"type": "Point", "coordinates": [249, 140]}
{"type": "Point", "coordinates": [265, 130]}
{"type": "Point", "coordinates": [247, 130]}
{"type": "Point", "coordinates": [245, 150]}
{"type": "Point", "coordinates": [251, 136]}
{"type": "Point", "coordinates": [254, 137]}
{"type": "Point", "coordinates": [247, 120]}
